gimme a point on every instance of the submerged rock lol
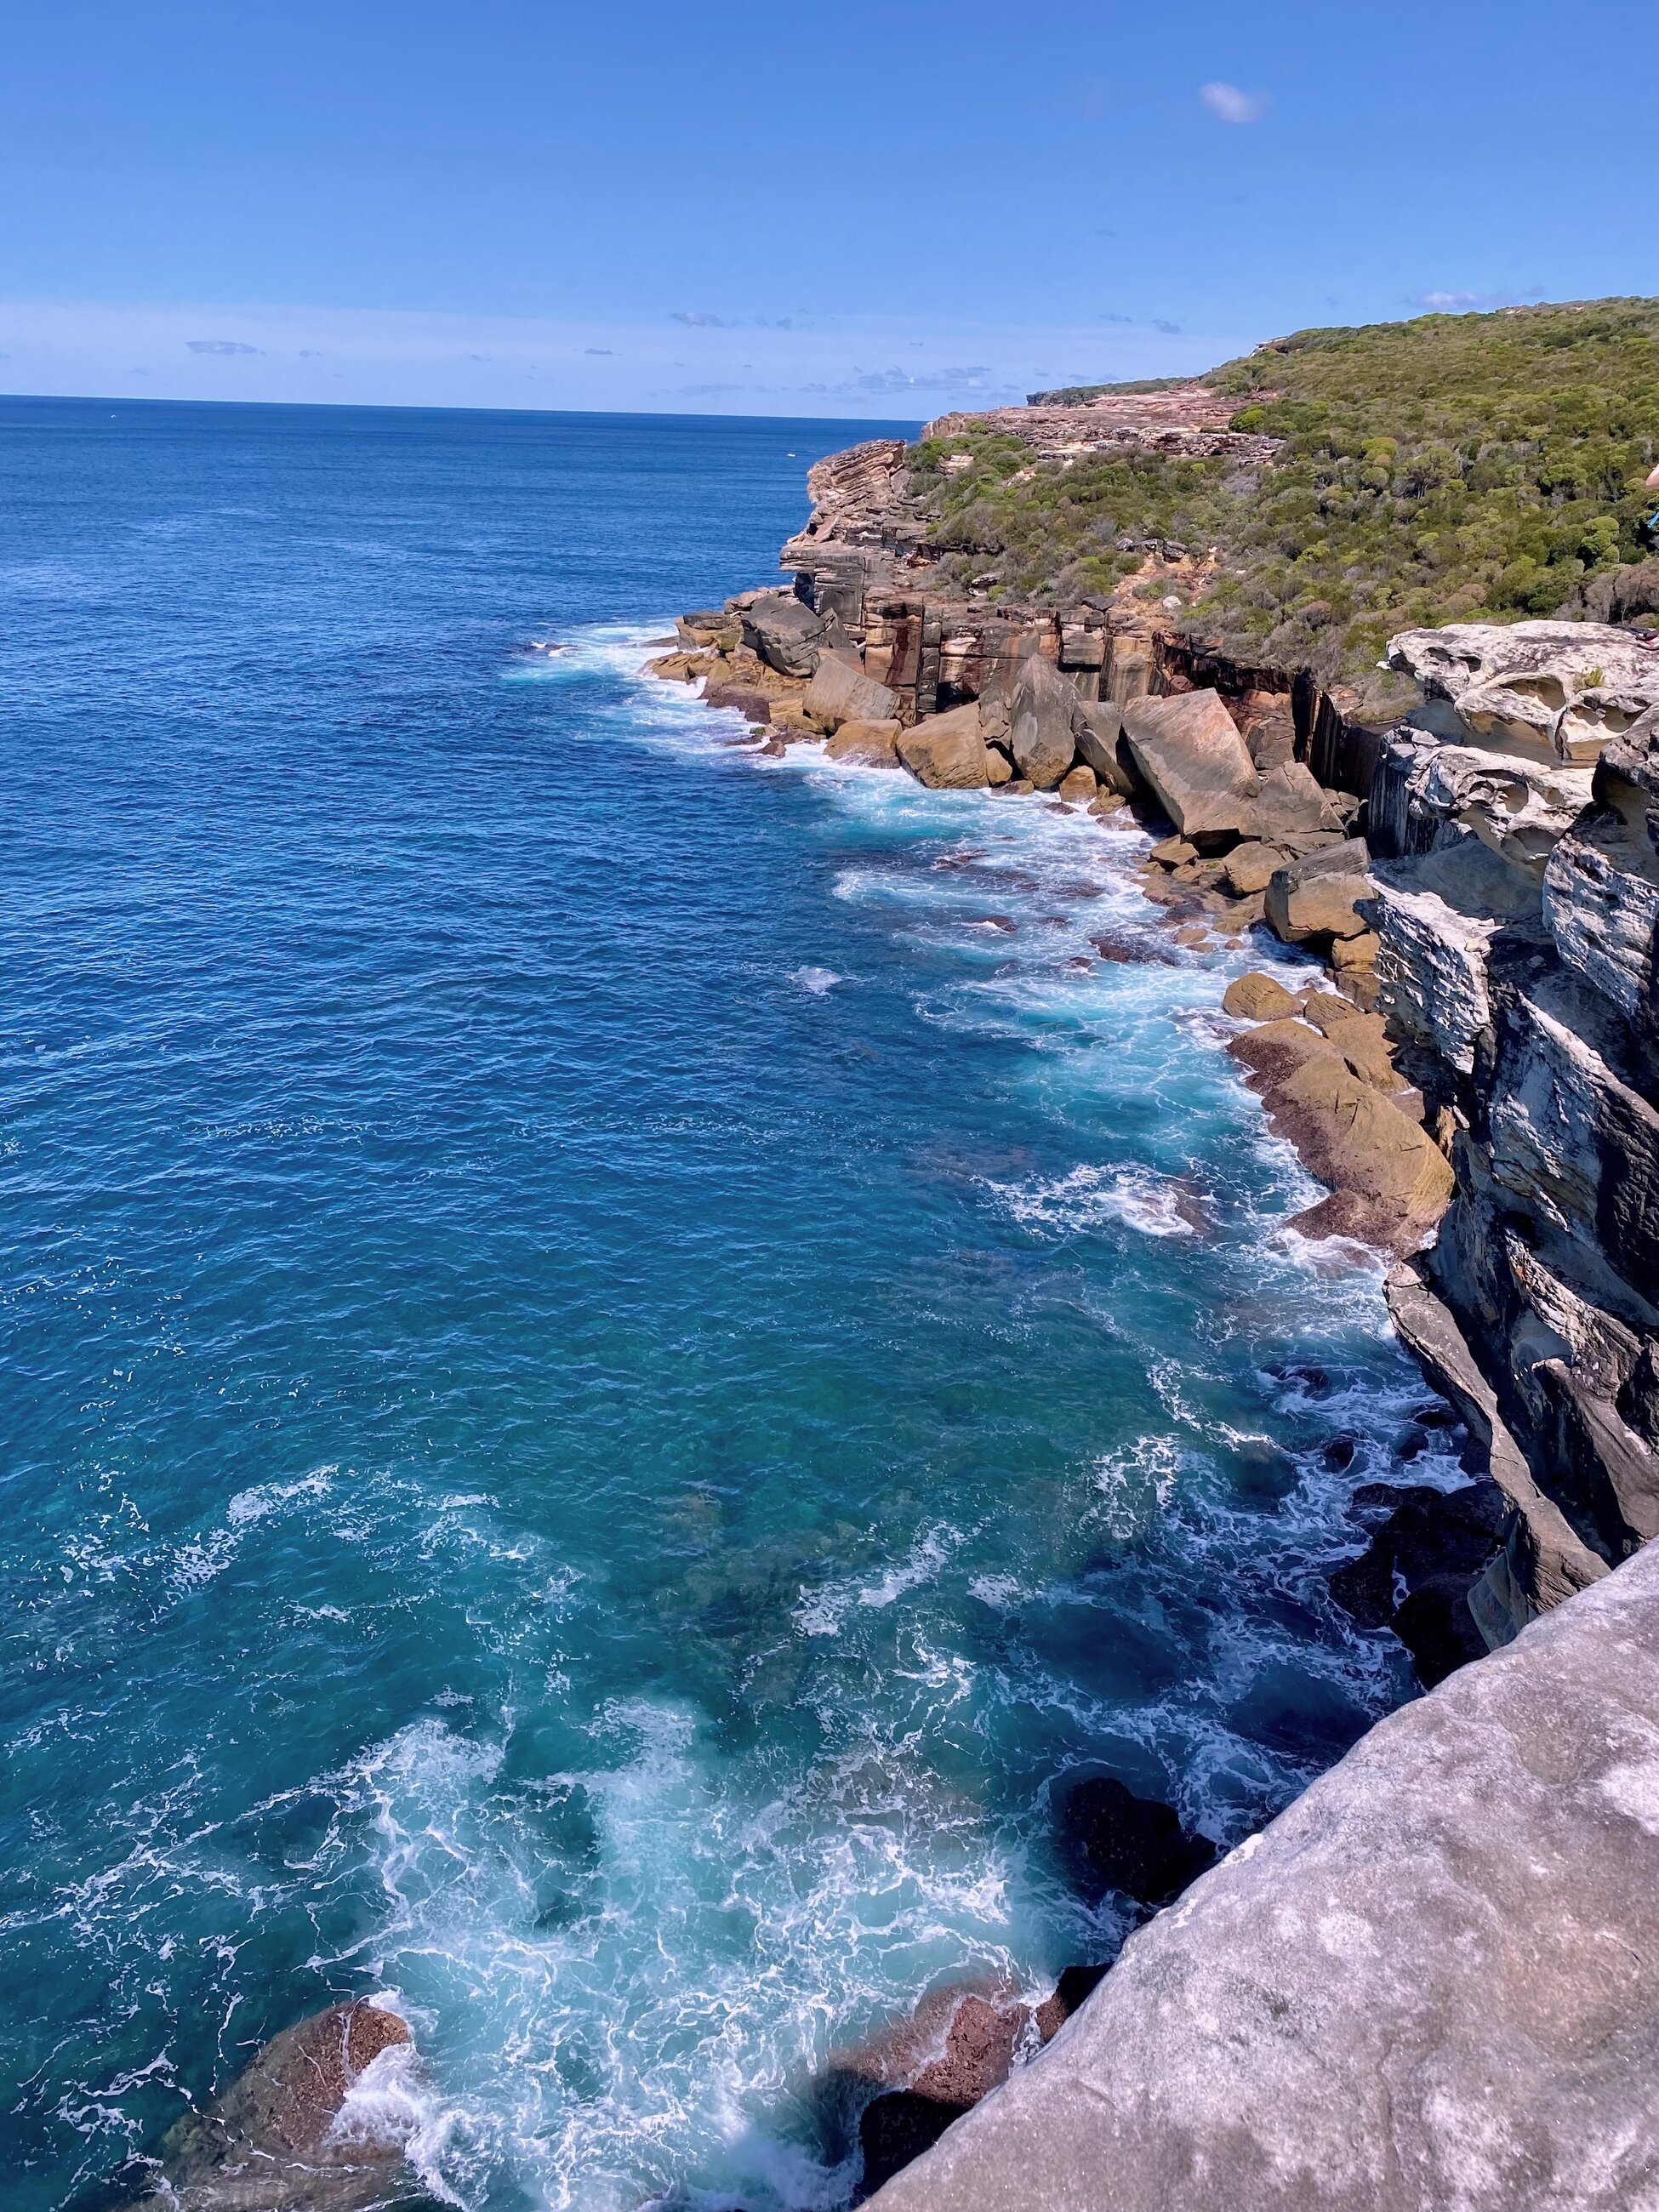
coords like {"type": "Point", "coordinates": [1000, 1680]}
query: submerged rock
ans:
{"type": "Point", "coordinates": [1134, 1844]}
{"type": "Point", "coordinates": [273, 2143]}
{"type": "Point", "coordinates": [1415, 1575]}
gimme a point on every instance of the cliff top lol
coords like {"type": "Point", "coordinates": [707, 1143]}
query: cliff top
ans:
{"type": "Point", "coordinates": [1350, 482]}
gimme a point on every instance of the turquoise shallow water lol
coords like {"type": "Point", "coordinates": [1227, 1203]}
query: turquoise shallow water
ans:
{"type": "Point", "coordinates": [613, 1363]}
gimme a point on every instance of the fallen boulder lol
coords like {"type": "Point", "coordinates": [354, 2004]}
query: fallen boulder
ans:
{"type": "Point", "coordinates": [1258, 997]}
{"type": "Point", "coordinates": [1314, 897]}
{"type": "Point", "coordinates": [840, 691]}
{"type": "Point", "coordinates": [1190, 753]}
{"type": "Point", "coordinates": [1098, 728]}
{"type": "Point", "coordinates": [946, 751]}
{"type": "Point", "coordinates": [873, 744]}
{"type": "Point", "coordinates": [1039, 734]}
{"type": "Point", "coordinates": [1250, 868]}
{"type": "Point", "coordinates": [784, 632]}
{"type": "Point", "coordinates": [1289, 799]}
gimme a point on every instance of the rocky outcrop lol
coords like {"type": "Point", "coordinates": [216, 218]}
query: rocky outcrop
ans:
{"type": "Point", "coordinates": [1550, 690]}
{"type": "Point", "coordinates": [280, 2138]}
{"type": "Point", "coordinates": [1433, 1981]}
{"type": "Point", "coordinates": [1484, 878]}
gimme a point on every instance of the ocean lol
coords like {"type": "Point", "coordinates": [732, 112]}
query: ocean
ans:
{"type": "Point", "coordinates": [617, 1353]}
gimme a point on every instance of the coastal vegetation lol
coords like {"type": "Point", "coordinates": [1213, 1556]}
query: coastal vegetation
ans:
{"type": "Point", "coordinates": [1451, 468]}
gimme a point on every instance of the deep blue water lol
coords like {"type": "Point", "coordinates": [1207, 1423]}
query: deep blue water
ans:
{"type": "Point", "coordinates": [611, 1361]}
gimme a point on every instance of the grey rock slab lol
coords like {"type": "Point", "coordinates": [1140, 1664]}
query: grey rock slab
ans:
{"type": "Point", "coordinates": [784, 632]}
{"type": "Point", "coordinates": [1431, 1985]}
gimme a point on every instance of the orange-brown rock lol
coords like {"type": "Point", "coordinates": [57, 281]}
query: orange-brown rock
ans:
{"type": "Point", "coordinates": [268, 2143]}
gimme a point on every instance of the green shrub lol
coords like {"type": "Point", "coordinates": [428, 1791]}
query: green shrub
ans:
{"type": "Point", "coordinates": [1456, 467]}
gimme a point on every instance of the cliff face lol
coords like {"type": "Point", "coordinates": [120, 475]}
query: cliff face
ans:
{"type": "Point", "coordinates": [1515, 905]}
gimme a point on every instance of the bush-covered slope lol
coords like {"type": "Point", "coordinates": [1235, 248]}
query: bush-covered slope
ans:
{"type": "Point", "coordinates": [1448, 469]}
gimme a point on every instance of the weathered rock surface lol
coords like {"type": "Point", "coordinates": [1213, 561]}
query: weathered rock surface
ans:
{"type": "Point", "coordinates": [274, 2140]}
{"type": "Point", "coordinates": [1432, 1981]}
{"type": "Point", "coordinates": [1435, 917]}
{"type": "Point", "coordinates": [947, 751]}
{"type": "Point", "coordinates": [841, 692]}
{"type": "Point", "coordinates": [1042, 705]}
{"type": "Point", "coordinates": [784, 632]}
{"type": "Point", "coordinates": [1555, 690]}
{"type": "Point", "coordinates": [874, 744]}
{"type": "Point", "coordinates": [1198, 767]}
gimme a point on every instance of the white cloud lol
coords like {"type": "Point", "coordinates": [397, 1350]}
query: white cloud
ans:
{"type": "Point", "coordinates": [1233, 106]}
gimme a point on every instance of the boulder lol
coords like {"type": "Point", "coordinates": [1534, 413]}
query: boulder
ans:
{"type": "Point", "coordinates": [1130, 1844]}
{"type": "Point", "coordinates": [873, 744]}
{"type": "Point", "coordinates": [270, 2143]}
{"type": "Point", "coordinates": [1258, 997]}
{"type": "Point", "coordinates": [1098, 728]}
{"type": "Point", "coordinates": [840, 691]}
{"type": "Point", "coordinates": [946, 751]}
{"type": "Point", "coordinates": [1287, 799]}
{"type": "Point", "coordinates": [1078, 785]}
{"type": "Point", "coordinates": [998, 767]}
{"type": "Point", "coordinates": [1250, 868]}
{"type": "Point", "coordinates": [1314, 897]}
{"type": "Point", "coordinates": [1352, 1138]}
{"type": "Point", "coordinates": [784, 632]}
{"type": "Point", "coordinates": [1039, 735]}
{"type": "Point", "coordinates": [1190, 753]}
{"type": "Point", "coordinates": [1173, 853]}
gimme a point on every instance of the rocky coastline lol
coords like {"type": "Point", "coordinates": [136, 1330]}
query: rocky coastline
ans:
{"type": "Point", "coordinates": [1473, 1071]}
{"type": "Point", "coordinates": [1475, 1078]}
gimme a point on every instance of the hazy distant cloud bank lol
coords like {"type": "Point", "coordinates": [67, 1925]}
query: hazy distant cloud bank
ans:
{"type": "Point", "coordinates": [741, 362]}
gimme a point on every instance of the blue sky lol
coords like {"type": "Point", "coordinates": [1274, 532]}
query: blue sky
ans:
{"type": "Point", "coordinates": [878, 210]}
